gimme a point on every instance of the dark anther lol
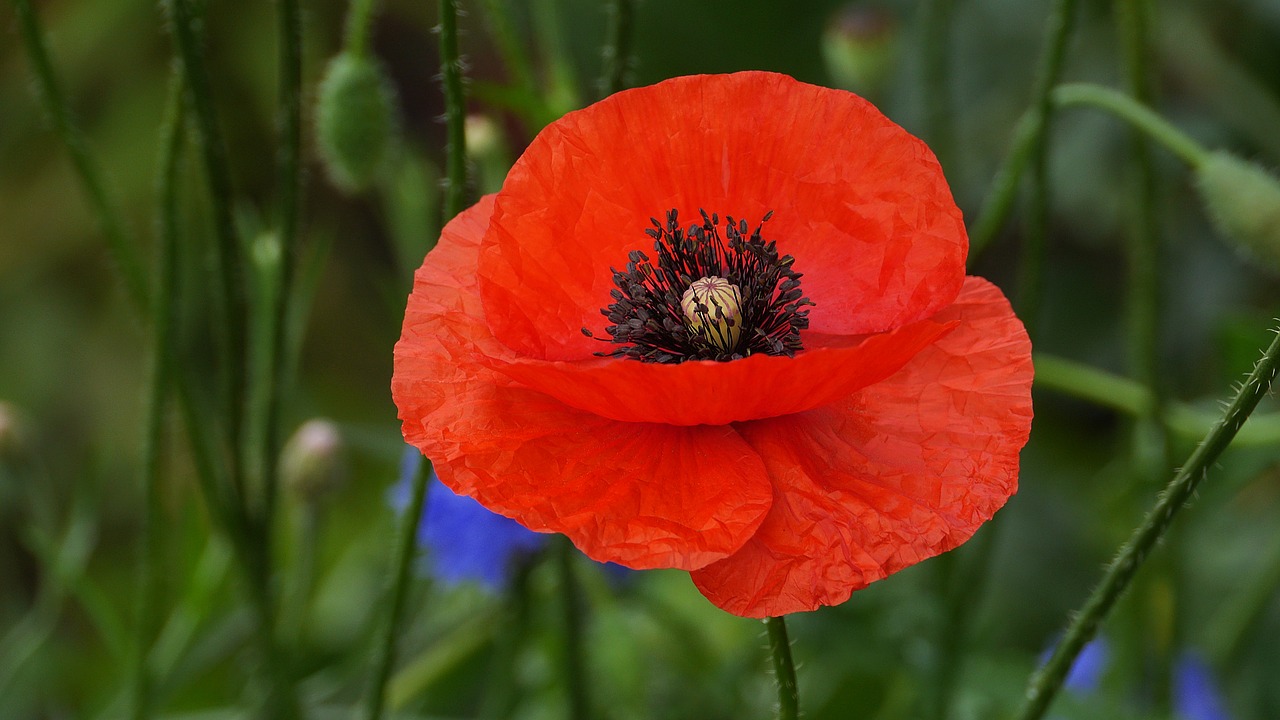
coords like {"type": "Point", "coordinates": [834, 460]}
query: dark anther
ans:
{"type": "Point", "coordinates": [744, 300]}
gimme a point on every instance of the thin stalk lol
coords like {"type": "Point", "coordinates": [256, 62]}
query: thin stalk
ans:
{"type": "Point", "coordinates": [359, 21]}
{"type": "Point", "coordinates": [406, 543]}
{"type": "Point", "coordinates": [454, 109]}
{"type": "Point", "coordinates": [571, 659]}
{"type": "Point", "coordinates": [509, 46]}
{"type": "Point", "coordinates": [501, 688]}
{"type": "Point", "coordinates": [289, 168]}
{"type": "Point", "coordinates": [1046, 682]}
{"type": "Point", "coordinates": [960, 581]}
{"type": "Point", "coordinates": [1030, 132]}
{"type": "Point", "coordinates": [1235, 623]}
{"type": "Point", "coordinates": [1134, 113]}
{"type": "Point", "coordinates": [1126, 396]}
{"type": "Point", "coordinates": [234, 300]}
{"type": "Point", "coordinates": [1035, 240]}
{"type": "Point", "coordinates": [939, 108]}
{"type": "Point", "coordinates": [122, 245]}
{"type": "Point", "coordinates": [165, 319]}
{"type": "Point", "coordinates": [617, 49]}
{"type": "Point", "coordinates": [1150, 443]}
{"type": "Point", "coordinates": [784, 671]}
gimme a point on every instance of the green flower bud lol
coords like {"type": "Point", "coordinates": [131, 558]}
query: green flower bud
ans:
{"type": "Point", "coordinates": [313, 463]}
{"type": "Point", "coordinates": [1244, 203]}
{"type": "Point", "coordinates": [858, 48]}
{"type": "Point", "coordinates": [356, 121]}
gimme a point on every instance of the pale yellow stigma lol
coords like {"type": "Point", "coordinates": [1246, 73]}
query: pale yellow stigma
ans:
{"type": "Point", "coordinates": [711, 309]}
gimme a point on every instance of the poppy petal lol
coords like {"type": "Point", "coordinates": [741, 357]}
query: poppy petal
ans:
{"type": "Point", "coordinates": [706, 392]}
{"type": "Point", "coordinates": [896, 473]}
{"type": "Point", "coordinates": [639, 494]}
{"type": "Point", "coordinates": [861, 204]}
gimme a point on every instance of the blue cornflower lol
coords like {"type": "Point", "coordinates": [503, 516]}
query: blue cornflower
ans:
{"type": "Point", "coordinates": [464, 541]}
{"type": "Point", "coordinates": [1196, 695]}
{"type": "Point", "coordinates": [1086, 672]}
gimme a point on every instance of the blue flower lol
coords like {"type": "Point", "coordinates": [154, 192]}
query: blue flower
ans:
{"type": "Point", "coordinates": [1196, 695]}
{"type": "Point", "coordinates": [1086, 672]}
{"type": "Point", "coordinates": [463, 540]}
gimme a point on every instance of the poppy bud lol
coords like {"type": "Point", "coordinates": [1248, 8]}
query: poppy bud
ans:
{"type": "Point", "coordinates": [356, 120]}
{"type": "Point", "coordinates": [712, 306]}
{"type": "Point", "coordinates": [1244, 204]}
{"type": "Point", "coordinates": [313, 463]}
{"type": "Point", "coordinates": [858, 48]}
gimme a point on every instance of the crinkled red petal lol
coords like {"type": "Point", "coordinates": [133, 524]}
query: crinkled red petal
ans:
{"type": "Point", "coordinates": [717, 393]}
{"type": "Point", "coordinates": [639, 494]}
{"type": "Point", "coordinates": [861, 204]}
{"type": "Point", "coordinates": [896, 473]}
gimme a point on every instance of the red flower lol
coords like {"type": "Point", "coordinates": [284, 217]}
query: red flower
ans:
{"type": "Point", "coordinates": [785, 479]}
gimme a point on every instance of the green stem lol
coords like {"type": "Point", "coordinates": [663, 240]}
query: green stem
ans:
{"type": "Point", "coordinates": [1143, 246]}
{"type": "Point", "coordinates": [571, 658]}
{"type": "Point", "coordinates": [455, 107]}
{"type": "Point", "coordinates": [784, 671]}
{"type": "Point", "coordinates": [359, 21]}
{"type": "Point", "coordinates": [1084, 624]}
{"type": "Point", "coordinates": [1030, 132]}
{"type": "Point", "coordinates": [164, 321]}
{"type": "Point", "coordinates": [406, 543]}
{"type": "Point", "coordinates": [617, 50]}
{"type": "Point", "coordinates": [1136, 114]}
{"type": "Point", "coordinates": [510, 49]}
{"type": "Point", "coordinates": [1132, 398]}
{"type": "Point", "coordinates": [234, 302]}
{"type": "Point", "coordinates": [500, 692]}
{"type": "Point", "coordinates": [1230, 628]}
{"type": "Point", "coordinates": [939, 109]}
{"type": "Point", "coordinates": [289, 170]}
{"type": "Point", "coordinates": [1150, 443]}
{"type": "Point", "coordinates": [961, 580]}
{"type": "Point", "coordinates": [122, 247]}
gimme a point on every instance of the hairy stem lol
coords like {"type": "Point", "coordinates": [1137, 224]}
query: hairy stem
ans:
{"type": "Point", "coordinates": [784, 670]}
{"type": "Point", "coordinates": [1046, 682]}
{"type": "Point", "coordinates": [455, 108]}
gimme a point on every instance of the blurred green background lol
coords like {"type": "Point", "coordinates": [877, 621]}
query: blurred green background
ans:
{"type": "Point", "coordinates": [73, 360]}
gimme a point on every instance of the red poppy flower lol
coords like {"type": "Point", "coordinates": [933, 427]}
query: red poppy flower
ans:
{"type": "Point", "coordinates": [811, 417]}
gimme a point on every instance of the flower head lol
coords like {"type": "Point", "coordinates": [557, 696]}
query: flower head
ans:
{"type": "Point", "coordinates": [844, 402]}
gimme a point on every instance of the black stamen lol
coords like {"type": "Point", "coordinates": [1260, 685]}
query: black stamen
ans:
{"type": "Point", "coordinates": [648, 322]}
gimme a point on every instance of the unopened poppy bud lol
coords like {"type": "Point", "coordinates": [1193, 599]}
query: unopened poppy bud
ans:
{"type": "Point", "coordinates": [858, 47]}
{"type": "Point", "coordinates": [355, 121]}
{"type": "Point", "coordinates": [1244, 203]}
{"type": "Point", "coordinates": [313, 462]}
{"type": "Point", "coordinates": [712, 306]}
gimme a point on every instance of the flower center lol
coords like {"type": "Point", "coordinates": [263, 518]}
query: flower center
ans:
{"type": "Point", "coordinates": [711, 308]}
{"type": "Point", "coordinates": [707, 297]}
